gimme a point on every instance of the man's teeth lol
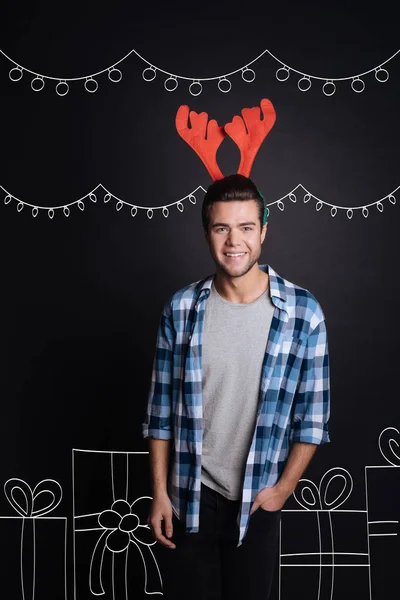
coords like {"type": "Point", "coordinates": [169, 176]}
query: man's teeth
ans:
{"type": "Point", "coordinates": [239, 254]}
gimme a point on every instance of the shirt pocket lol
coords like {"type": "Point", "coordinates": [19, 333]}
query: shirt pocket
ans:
{"type": "Point", "coordinates": [293, 344]}
{"type": "Point", "coordinates": [293, 349]}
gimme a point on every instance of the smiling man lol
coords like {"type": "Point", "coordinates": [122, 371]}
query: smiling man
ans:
{"type": "Point", "coordinates": [238, 404]}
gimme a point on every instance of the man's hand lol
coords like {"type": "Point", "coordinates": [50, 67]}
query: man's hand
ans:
{"type": "Point", "coordinates": [271, 498]}
{"type": "Point", "coordinates": [161, 510]}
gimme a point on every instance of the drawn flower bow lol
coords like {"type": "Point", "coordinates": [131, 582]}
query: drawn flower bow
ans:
{"type": "Point", "coordinates": [123, 526]}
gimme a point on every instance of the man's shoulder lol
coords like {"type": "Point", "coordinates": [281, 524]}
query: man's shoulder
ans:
{"type": "Point", "coordinates": [301, 300]}
{"type": "Point", "coordinates": [187, 295]}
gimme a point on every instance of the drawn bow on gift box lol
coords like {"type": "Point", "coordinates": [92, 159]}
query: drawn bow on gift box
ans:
{"type": "Point", "coordinates": [31, 505]}
{"type": "Point", "coordinates": [389, 445]}
{"type": "Point", "coordinates": [311, 497]}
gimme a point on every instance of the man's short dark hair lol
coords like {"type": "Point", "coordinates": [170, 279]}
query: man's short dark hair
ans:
{"type": "Point", "coordinates": [229, 189]}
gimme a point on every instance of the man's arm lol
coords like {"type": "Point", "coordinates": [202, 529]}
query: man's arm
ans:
{"type": "Point", "coordinates": [161, 508]}
{"type": "Point", "coordinates": [310, 417]}
{"type": "Point", "coordinates": [157, 422]}
{"type": "Point", "coordinates": [157, 427]}
{"type": "Point", "coordinates": [273, 498]}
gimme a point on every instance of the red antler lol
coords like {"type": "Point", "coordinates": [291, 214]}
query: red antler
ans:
{"type": "Point", "coordinates": [205, 146]}
{"type": "Point", "coordinates": [249, 142]}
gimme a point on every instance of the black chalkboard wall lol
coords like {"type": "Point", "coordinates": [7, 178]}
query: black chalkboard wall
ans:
{"type": "Point", "coordinates": [81, 295]}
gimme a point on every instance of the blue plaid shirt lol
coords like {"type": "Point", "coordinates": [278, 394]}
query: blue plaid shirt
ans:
{"type": "Point", "coordinates": [293, 401]}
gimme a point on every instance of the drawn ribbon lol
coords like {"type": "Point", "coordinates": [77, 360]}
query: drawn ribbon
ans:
{"type": "Point", "coordinates": [122, 529]}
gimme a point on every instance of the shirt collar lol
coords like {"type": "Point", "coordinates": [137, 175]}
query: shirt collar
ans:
{"type": "Point", "coordinates": [277, 287]}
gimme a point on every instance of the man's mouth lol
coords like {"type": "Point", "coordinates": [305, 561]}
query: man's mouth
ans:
{"type": "Point", "coordinates": [235, 255]}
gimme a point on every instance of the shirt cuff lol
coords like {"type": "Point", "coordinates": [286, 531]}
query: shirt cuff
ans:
{"type": "Point", "coordinates": [158, 434]}
{"type": "Point", "coordinates": [310, 433]}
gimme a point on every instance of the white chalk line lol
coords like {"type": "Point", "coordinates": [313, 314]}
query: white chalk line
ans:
{"type": "Point", "coordinates": [320, 560]}
{"type": "Point", "coordinates": [126, 572]}
{"type": "Point", "coordinates": [65, 560]}
{"type": "Point", "coordinates": [101, 565]}
{"type": "Point", "coordinates": [127, 477]}
{"type": "Point", "coordinates": [320, 510]}
{"type": "Point", "coordinates": [38, 518]}
{"type": "Point", "coordinates": [333, 549]}
{"type": "Point", "coordinates": [145, 567]}
{"type": "Point", "coordinates": [328, 565]}
{"type": "Point", "coordinates": [370, 522]}
{"type": "Point", "coordinates": [22, 567]}
{"type": "Point", "coordinates": [367, 532]}
{"type": "Point", "coordinates": [327, 554]}
{"type": "Point", "coordinates": [113, 574]}
{"type": "Point", "coordinates": [34, 561]}
{"type": "Point", "coordinates": [73, 521]}
{"type": "Point", "coordinates": [112, 477]}
{"type": "Point", "coordinates": [382, 467]}
{"type": "Point", "coordinates": [106, 451]}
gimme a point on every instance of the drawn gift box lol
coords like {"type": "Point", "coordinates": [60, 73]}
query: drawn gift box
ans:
{"type": "Point", "coordinates": [32, 545]}
{"type": "Point", "coordinates": [321, 545]}
{"type": "Point", "coordinates": [113, 544]}
{"type": "Point", "coordinates": [382, 487]}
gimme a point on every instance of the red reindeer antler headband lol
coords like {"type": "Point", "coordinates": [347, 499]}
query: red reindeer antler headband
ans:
{"type": "Point", "coordinates": [205, 137]}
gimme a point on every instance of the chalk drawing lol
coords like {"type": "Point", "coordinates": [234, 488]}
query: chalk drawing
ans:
{"type": "Point", "coordinates": [119, 525]}
{"type": "Point", "coordinates": [382, 492]}
{"type": "Point", "coordinates": [27, 503]}
{"type": "Point", "coordinates": [323, 521]}
{"type": "Point", "coordinates": [302, 195]}
{"type": "Point", "coordinates": [195, 86]}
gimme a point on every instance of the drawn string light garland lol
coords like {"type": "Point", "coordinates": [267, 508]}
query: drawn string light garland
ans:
{"type": "Point", "coordinates": [92, 197]}
{"type": "Point", "coordinates": [195, 87]}
{"type": "Point", "coordinates": [334, 208]}
{"type": "Point", "coordinates": [134, 208]}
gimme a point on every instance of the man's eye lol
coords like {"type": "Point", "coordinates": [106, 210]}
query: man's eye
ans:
{"type": "Point", "coordinates": [220, 229]}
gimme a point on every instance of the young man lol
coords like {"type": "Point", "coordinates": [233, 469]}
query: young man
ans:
{"type": "Point", "coordinates": [239, 402]}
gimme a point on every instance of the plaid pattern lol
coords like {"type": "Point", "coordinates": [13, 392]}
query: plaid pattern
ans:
{"type": "Point", "coordinates": [293, 401]}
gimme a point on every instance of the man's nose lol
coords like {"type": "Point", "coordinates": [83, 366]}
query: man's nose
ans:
{"type": "Point", "coordinates": [233, 238]}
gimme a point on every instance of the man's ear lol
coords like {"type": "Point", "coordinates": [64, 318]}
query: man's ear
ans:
{"type": "Point", "coordinates": [264, 232]}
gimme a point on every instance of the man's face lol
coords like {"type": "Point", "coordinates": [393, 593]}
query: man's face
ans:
{"type": "Point", "coordinates": [235, 236]}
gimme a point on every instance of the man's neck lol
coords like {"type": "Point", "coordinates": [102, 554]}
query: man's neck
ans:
{"type": "Point", "coordinates": [242, 290]}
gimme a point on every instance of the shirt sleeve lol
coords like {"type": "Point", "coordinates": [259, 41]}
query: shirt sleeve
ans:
{"type": "Point", "coordinates": [157, 423]}
{"type": "Point", "coordinates": [312, 399]}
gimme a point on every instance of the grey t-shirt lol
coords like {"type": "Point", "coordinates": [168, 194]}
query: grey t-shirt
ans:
{"type": "Point", "coordinates": [234, 343]}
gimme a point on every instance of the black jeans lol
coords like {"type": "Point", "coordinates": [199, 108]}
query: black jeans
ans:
{"type": "Point", "coordinates": [208, 565]}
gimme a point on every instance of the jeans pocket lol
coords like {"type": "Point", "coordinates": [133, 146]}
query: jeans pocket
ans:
{"type": "Point", "coordinates": [268, 512]}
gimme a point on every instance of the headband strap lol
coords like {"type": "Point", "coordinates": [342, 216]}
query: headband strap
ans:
{"type": "Point", "coordinates": [266, 209]}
